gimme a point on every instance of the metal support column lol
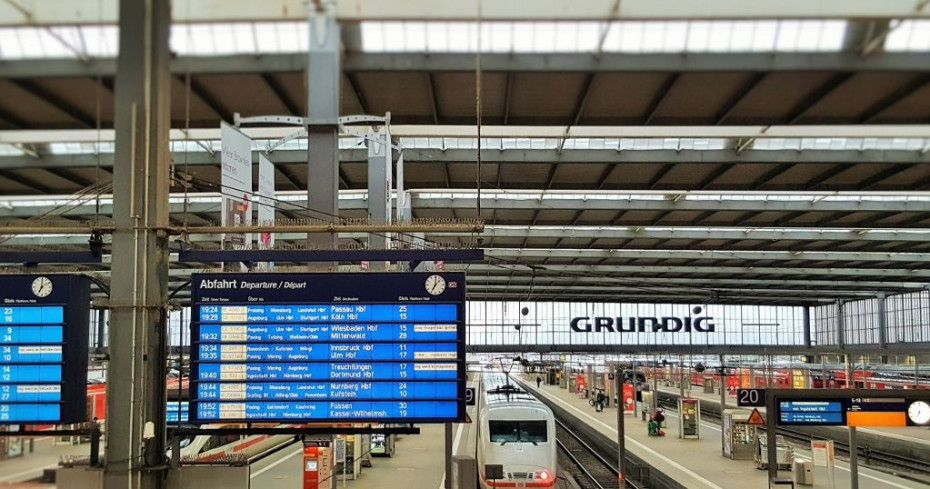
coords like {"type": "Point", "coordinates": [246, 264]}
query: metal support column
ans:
{"type": "Point", "coordinates": [853, 459]}
{"type": "Point", "coordinates": [449, 449]}
{"type": "Point", "coordinates": [136, 379]}
{"type": "Point", "coordinates": [101, 329]}
{"type": "Point", "coordinates": [323, 72]}
{"type": "Point", "coordinates": [723, 384]}
{"type": "Point", "coordinates": [379, 188]}
{"type": "Point", "coordinates": [840, 324]}
{"type": "Point", "coordinates": [882, 326]}
{"type": "Point", "coordinates": [621, 430]}
{"type": "Point", "coordinates": [771, 422]}
{"type": "Point", "coordinates": [681, 376]}
{"type": "Point", "coordinates": [807, 326]}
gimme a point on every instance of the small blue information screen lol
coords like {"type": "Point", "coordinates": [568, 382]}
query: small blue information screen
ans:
{"type": "Point", "coordinates": [43, 349]}
{"type": "Point", "coordinates": [367, 347]}
{"type": "Point", "coordinates": [827, 412]}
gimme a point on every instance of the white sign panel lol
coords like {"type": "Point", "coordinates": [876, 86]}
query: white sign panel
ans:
{"type": "Point", "coordinates": [266, 205]}
{"type": "Point", "coordinates": [236, 182]}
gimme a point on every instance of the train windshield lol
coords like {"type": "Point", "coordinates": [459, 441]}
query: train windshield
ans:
{"type": "Point", "coordinates": [517, 431]}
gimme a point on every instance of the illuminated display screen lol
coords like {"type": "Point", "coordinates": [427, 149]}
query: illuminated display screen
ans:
{"type": "Point", "coordinates": [385, 347]}
{"type": "Point", "coordinates": [43, 349]}
{"type": "Point", "coordinates": [820, 412]}
{"type": "Point", "coordinates": [176, 412]}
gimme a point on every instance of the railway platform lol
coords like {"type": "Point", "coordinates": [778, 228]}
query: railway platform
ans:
{"type": "Point", "coordinates": [910, 442]}
{"type": "Point", "coordinates": [30, 466]}
{"type": "Point", "coordinates": [692, 463]}
{"type": "Point", "coordinates": [914, 435]}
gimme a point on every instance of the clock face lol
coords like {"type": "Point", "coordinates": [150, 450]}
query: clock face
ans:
{"type": "Point", "coordinates": [41, 287]}
{"type": "Point", "coordinates": [919, 412]}
{"type": "Point", "coordinates": [435, 284]}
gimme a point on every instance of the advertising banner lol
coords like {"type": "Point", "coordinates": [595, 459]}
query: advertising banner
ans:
{"type": "Point", "coordinates": [236, 186]}
{"type": "Point", "coordinates": [628, 397]}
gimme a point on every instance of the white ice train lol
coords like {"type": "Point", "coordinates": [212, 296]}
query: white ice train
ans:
{"type": "Point", "coordinates": [516, 431]}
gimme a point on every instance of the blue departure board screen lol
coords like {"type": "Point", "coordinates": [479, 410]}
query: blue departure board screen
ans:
{"type": "Point", "coordinates": [367, 347]}
{"type": "Point", "coordinates": [826, 412]}
{"type": "Point", "coordinates": [44, 324]}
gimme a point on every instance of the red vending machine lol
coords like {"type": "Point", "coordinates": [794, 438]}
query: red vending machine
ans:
{"type": "Point", "coordinates": [318, 465]}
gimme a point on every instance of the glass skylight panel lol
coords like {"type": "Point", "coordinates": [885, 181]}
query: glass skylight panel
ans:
{"type": "Point", "coordinates": [10, 150]}
{"type": "Point", "coordinates": [839, 144]}
{"type": "Point", "coordinates": [910, 35]}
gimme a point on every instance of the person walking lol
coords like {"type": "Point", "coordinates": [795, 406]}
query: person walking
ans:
{"type": "Point", "coordinates": [538, 381]}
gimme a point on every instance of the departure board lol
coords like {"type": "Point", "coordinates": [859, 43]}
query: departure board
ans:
{"type": "Point", "coordinates": [44, 322]}
{"type": "Point", "coordinates": [365, 347]}
{"type": "Point", "coordinates": [827, 412]}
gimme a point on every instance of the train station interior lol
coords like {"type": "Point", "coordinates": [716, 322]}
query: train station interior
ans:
{"type": "Point", "coordinates": [366, 244]}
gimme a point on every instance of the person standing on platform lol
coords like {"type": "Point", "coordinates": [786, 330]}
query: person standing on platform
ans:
{"type": "Point", "coordinates": [538, 381]}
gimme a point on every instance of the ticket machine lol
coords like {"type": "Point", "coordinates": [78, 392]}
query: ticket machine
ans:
{"type": "Point", "coordinates": [318, 465]}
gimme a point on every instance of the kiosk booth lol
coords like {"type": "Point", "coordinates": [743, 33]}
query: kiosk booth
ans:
{"type": "Point", "coordinates": [738, 434]}
{"type": "Point", "coordinates": [382, 445]}
{"type": "Point", "coordinates": [689, 422]}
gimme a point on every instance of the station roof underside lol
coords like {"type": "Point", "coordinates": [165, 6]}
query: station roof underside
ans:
{"type": "Point", "coordinates": [522, 88]}
{"type": "Point", "coordinates": [715, 213]}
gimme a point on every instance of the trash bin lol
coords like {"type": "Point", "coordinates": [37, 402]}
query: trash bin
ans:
{"type": "Point", "coordinates": [803, 472]}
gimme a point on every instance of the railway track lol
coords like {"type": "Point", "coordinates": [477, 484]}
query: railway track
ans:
{"type": "Point", "coordinates": [584, 463]}
{"type": "Point", "coordinates": [904, 467]}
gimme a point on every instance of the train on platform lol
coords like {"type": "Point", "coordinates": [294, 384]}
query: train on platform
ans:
{"type": "Point", "coordinates": [516, 437]}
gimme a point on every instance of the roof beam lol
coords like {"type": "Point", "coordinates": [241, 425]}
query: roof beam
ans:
{"type": "Point", "coordinates": [37, 136]}
{"type": "Point", "coordinates": [769, 175]}
{"type": "Point", "coordinates": [356, 89]}
{"type": "Point", "coordinates": [686, 270]}
{"type": "Point", "coordinates": [26, 182]}
{"type": "Point", "coordinates": [714, 175]}
{"type": "Point", "coordinates": [756, 234]}
{"type": "Point", "coordinates": [431, 95]}
{"type": "Point", "coordinates": [883, 175]}
{"type": "Point", "coordinates": [83, 12]}
{"type": "Point", "coordinates": [833, 259]}
{"type": "Point", "coordinates": [579, 202]}
{"type": "Point", "coordinates": [7, 118]}
{"type": "Point", "coordinates": [660, 95]}
{"type": "Point", "coordinates": [894, 98]}
{"type": "Point", "coordinates": [613, 159]}
{"type": "Point", "coordinates": [507, 96]}
{"type": "Point", "coordinates": [756, 283]}
{"type": "Point", "coordinates": [817, 95]}
{"type": "Point", "coordinates": [831, 172]}
{"type": "Point", "coordinates": [282, 95]}
{"type": "Point", "coordinates": [70, 176]}
{"type": "Point", "coordinates": [287, 174]}
{"type": "Point", "coordinates": [496, 62]}
{"type": "Point", "coordinates": [208, 99]}
{"type": "Point", "coordinates": [729, 105]}
{"type": "Point", "coordinates": [57, 102]}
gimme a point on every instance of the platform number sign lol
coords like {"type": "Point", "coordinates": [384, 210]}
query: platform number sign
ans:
{"type": "Point", "coordinates": [750, 397]}
{"type": "Point", "coordinates": [469, 396]}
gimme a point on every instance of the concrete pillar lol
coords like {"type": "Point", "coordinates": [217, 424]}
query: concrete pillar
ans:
{"type": "Point", "coordinates": [379, 189]}
{"type": "Point", "coordinates": [136, 379]}
{"type": "Point", "coordinates": [323, 79]}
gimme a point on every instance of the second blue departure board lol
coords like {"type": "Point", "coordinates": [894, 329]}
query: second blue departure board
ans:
{"type": "Point", "coordinates": [369, 347]}
{"type": "Point", "coordinates": [43, 349]}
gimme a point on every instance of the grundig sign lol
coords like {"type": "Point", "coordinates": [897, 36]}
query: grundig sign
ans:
{"type": "Point", "coordinates": [669, 324]}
